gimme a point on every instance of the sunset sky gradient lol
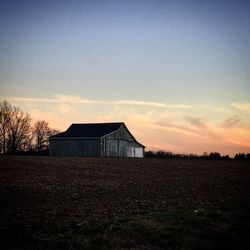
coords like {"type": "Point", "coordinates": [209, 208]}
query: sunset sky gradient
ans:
{"type": "Point", "coordinates": [176, 72]}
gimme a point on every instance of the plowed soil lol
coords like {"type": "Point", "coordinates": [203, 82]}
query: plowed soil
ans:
{"type": "Point", "coordinates": [35, 191]}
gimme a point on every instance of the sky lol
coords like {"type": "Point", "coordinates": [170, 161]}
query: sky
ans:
{"type": "Point", "coordinates": [176, 72]}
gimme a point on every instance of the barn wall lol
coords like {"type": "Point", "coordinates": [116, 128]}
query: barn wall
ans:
{"type": "Point", "coordinates": [121, 134]}
{"type": "Point", "coordinates": [114, 147]}
{"type": "Point", "coordinates": [135, 150]}
{"type": "Point", "coordinates": [75, 147]}
{"type": "Point", "coordinates": [121, 144]}
{"type": "Point", "coordinates": [139, 152]}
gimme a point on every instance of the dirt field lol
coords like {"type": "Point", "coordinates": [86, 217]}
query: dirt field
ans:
{"type": "Point", "coordinates": [41, 196]}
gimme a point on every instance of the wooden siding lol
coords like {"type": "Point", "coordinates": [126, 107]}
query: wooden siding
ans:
{"type": "Point", "coordinates": [75, 147]}
{"type": "Point", "coordinates": [121, 144]}
{"type": "Point", "coordinates": [114, 147]}
{"type": "Point", "coordinates": [120, 134]}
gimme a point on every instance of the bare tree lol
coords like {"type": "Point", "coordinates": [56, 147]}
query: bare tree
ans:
{"type": "Point", "coordinates": [14, 128]}
{"type": "Point", "coordinates": [19, 136]}
{"type": "Point", "coordinates": [16, 133]}
{"type": "Point", "coordinates": [41, 133]}
{"type": "Point", "coordinates": [5, 118]}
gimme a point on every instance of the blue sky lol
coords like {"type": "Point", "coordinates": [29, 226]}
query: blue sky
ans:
{"type": "Point", "coordinates": [190, 53]}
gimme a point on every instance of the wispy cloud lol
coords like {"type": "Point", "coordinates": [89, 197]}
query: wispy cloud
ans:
{"type": "Point", "coordinates": [244, 107]}
{"type": "Point", "coordinates": [236, 124]}
{"type": "Point", "coordinates": [196, 121]}
{"type": "Point", "coordinates": [231, 122]}
{"type": "Point", "coordinates": [175, 126]}
{"type": "Point", "coordinates": [152, 104]}
{"type": "Point", "coordinates": [78, 100]}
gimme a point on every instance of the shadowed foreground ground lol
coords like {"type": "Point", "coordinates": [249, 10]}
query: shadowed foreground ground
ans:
{"type": "Point", "coordinates": [98, 203]}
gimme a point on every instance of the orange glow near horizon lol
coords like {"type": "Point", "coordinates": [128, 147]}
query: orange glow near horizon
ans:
{"type": "Point", "coordinates": [177, 129]}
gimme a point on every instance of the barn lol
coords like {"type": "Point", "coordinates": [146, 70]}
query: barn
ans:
{"type": "Point", "coordinates": [96, 139]}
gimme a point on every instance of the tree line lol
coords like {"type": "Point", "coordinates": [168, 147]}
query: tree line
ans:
{"type": "Point", "coordinates": [211, 156]}
{"type": "Point", "coordinates": [18, 135]}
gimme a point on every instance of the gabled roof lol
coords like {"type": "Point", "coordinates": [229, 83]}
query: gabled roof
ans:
{"type": "Point", "coordinates": [89, 130]}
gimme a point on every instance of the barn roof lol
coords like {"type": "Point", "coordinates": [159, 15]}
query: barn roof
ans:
{"type": "Point", "coordinates": [89, 129]}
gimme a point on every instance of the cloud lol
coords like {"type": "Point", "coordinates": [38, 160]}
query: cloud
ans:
{"type": "Point", "coordinates": [175, 126]}
{"type": "Point", "coordinates": [235, 122]}
{"type": "Point", "coordinates": [231, 122]}
{"type": "Point", "coordinates": [206, 130]}
{"type": "Point", "coordinates": [243, 107]}
{"type": "Point", "coordinates": [198, 122]}
{"type": "Point", "coordinates": [152, 104]}
{"type": "Point", "coordinates": [78, 100]}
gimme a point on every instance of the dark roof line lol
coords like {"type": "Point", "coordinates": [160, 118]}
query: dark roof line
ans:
{"type": "Point", "coordinates": [89, 129]}
{"type": "Point", "coordinates": [133, 136]}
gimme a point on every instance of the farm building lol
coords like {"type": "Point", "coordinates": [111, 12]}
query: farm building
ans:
{"type": "Point", "coordinates": [96, 139]}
